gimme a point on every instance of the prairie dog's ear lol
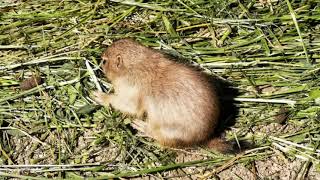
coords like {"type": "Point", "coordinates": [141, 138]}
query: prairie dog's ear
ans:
{"type": "Point", "coordinates": [119, 61]}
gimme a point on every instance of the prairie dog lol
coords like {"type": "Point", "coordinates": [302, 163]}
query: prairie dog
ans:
{"type": "Point", "coordinates": [181, 106]}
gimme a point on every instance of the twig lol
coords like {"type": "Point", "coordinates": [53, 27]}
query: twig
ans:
{"type": "Point", "coordinates": [25, 133]}
{"type": "Point", "coordinates": [259, 100]}
{"type": "Point", "coordinates": [93, 76]}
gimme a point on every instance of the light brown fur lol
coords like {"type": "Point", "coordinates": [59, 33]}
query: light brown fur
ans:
{"type": "Point", "coordinates": [181, 106]}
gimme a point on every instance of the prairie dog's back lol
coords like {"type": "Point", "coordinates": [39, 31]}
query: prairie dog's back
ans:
{"type": "Point", "coordinates": [183, 98]}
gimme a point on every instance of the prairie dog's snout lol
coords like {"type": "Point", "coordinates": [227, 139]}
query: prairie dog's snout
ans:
{"type": "Point", "coordinates": [181, 104]}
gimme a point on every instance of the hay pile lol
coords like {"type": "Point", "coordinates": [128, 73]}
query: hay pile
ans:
{"type": "Point", "coordinates": [267, 49]}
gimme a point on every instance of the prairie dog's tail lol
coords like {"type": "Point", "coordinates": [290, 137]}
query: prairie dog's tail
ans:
{"type": "Point", "coordinates": [221, 145]}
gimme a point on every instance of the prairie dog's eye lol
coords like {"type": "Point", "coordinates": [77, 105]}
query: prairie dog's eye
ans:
{"type": "Point", "coordinates": [104, 60]}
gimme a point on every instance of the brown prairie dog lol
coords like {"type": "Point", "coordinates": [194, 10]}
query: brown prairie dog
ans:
{"type": "Point", "coordinates": [180, 104]}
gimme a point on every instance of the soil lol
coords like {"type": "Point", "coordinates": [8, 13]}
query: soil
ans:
{"type": "Point", "coordinates": [274, 166]}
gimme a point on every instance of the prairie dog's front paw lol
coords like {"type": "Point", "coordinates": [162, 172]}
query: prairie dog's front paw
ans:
{"type": "Point", "coordinates": [100, 97]}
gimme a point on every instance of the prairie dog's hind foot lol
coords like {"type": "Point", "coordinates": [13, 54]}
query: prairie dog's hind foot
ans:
{"type": "Point", "coordinates": [141, 126]}
{"type": "Point", "coordinates": [100, 97]}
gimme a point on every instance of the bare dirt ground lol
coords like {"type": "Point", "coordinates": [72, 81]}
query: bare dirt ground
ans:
{"type": "Point", "coordinates": [272, 166]}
